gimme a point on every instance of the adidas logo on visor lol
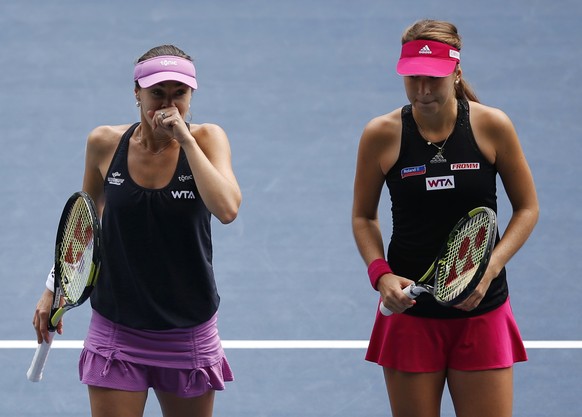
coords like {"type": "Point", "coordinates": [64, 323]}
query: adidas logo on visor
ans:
{"type": "Point", "coordinates": [425, 50]}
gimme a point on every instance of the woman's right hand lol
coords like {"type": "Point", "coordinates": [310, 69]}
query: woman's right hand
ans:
{"type": "Point", "coordinates": [41, 317]}
{"type": "Point", "coordinates": [393, 298]}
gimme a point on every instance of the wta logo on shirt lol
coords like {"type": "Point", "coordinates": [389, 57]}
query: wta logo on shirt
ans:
{"type": "Point", "coordinates": [183, 195]}
{"type": "Point", "coordinates": [440, 183]}
{"type": "Point", "coordinates": [413, 171]}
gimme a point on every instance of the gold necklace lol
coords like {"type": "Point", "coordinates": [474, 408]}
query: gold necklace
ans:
{"type": "Point", "coordinates": [438, 158]}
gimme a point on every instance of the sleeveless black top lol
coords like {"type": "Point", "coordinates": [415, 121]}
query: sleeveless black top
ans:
{"type": "Point", "coordinates": [157, 270]}
{"type": "Point", "coordinates": [429, 197]}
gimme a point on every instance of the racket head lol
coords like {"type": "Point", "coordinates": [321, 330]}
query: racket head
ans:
{"type": "Point", "coordinates": [77, 250]}
{"type": "Point", "coordinates": [464, 259]}
{"type": "Point", "coordinates": [77, 264]}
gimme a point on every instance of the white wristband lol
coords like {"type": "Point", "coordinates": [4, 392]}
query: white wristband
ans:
{"type": "Point", "coordinates": [50, 279]}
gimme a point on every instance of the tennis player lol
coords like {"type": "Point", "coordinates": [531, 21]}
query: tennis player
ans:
{"type": "Point", "coordinates": [440, 156]}
{"type": "Point", "coordinates": [156, 184]}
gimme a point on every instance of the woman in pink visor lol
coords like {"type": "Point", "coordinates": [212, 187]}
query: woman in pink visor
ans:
{"type": "Point", "coordinates": [157, 183]}
{"type": "Point", "coordinates": [439, 157]}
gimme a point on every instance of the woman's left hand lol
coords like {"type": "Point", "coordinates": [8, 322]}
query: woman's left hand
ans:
{"type": "Point", "coordinates": [476, 296]}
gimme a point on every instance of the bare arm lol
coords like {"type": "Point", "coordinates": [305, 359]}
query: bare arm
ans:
{"type": "Point", "coordinates": [519, 186]}
{"type": "Point", "coordinates": [209, 156]}
{"type": "Point", "coordinates": [377, 153]}
{"type": "Point", "coordinates": [100, 146]}
{"type": "Point", "coordinates": [368, 183]}
{"type": "Point", "coordinates": [499, 142]}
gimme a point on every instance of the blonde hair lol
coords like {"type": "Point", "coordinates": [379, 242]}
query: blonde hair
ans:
{"type": "Point", "coordinates": [445, 32]}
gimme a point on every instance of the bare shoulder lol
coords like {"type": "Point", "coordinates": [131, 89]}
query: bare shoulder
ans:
{"type": "Point", "coordinates": [488, 118]}
{"type": "Point", "coordinates": [101, 145]}
{"type": "Point", "coordinates": [210, 137]}
{"type": "Point", "coordinates": [386, 126]}
{"type": "Point", "coordinates": [493, 130]}
{"type": "Point", "coordinates": [105, 138]}
{"type": "Point", "coordinates": [380, 140]}
{"type": "Point", "coordinates": [207, 130]}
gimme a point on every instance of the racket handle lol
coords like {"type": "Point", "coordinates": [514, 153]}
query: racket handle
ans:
{"type": "Point", "coordinates": [384, 310]}
{"type": "Point", "coordinates": [34, 373]}
{"type": "Point", "coordinates": [410, 293]}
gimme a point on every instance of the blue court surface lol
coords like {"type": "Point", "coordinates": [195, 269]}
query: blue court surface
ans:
{"type": "Point", "coordinates": [293, 83]}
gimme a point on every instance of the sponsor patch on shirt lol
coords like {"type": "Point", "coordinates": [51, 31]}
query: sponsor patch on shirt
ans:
{"type": "Point", "coordinates": [412, 171]}
{"type": "Point", "coordinates": [114, 179]}
{"type": "Point", "coordinates": [462, 166]}
{"type": "Point", "coordinates": [440, 183]}
{"type": "Point", "coordinates": [184, 178]}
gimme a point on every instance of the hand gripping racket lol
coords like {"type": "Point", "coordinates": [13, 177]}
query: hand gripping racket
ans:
{"type": "Point", "coordinates": [77, 262]}
{"type": "Point", "coordinates": [458, 269]}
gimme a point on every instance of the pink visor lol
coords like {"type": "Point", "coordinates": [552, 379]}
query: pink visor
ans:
{"type": "Point", "coordinates": [165, 68]}
{"type": "Point", "coordinates": [428, 58]}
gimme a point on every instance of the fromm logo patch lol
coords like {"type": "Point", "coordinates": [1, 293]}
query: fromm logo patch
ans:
{"type": "Point", "coordinates": [465, 166]}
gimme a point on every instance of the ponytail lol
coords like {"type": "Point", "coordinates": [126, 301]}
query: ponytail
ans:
{"type": "Point", "coordinates": [464, 91]}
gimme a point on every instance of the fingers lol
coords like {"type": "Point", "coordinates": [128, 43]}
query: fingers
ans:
{"type": "Point", "coordinates": [40, 320]}
{"type": "Point", "coordinates": [393, 297]}
{"type": "Point", "coordinates": [473, 301]}
{"type": "Point", "coordinates": [469, 304]}
{"type": "Point", "coordinates": [41, 327]}
{"type": "Point", "coordinates": [397, 304]}
{"type": "Point", "coordinates": [40, 323]}
{"type": "Point", "coordinates": [167, 118]}
{"type": "Point", "coordinates": [60, 327]}
{"type": "Point", "coordinates": [36, 324]}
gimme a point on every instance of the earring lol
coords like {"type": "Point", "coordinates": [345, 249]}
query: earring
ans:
{"type": "Point", "coordinates": [457, 81]}
{"type": "Point", "coordinates": [137, 104]}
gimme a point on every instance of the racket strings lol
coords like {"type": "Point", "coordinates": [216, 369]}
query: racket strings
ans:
{"type": "Point", "coordinates": [76, 255]}
{"type": "Point", "coordinates": [463, 257]}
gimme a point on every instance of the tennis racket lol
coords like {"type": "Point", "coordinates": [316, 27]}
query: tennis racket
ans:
{"type": "Point", "coordinates": [460, 265]}
{"type": "Point", "coordinates": [77, 262]}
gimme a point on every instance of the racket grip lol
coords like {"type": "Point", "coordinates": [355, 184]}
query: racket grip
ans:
{"type": "Point", "coordinates": [384, 310]}
{"type": "Point", "coordinates": [34, 373]}
{"type": "Point", "coordinates": [410, 293]}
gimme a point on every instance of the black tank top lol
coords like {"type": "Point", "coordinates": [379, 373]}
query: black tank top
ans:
{"type": "Point", "coordinates": [429, 197]}
{"type": "Point", "coordinates": [157, 269]}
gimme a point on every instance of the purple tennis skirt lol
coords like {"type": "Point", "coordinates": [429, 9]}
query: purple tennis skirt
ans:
{"type": "Point", "coordinates": [186, 362]}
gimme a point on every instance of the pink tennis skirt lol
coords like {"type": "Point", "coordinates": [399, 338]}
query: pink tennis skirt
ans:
{"type": "Point", "coordinates": [185, 362]}
{"type": "Point", "coordinates": [417, 344]}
